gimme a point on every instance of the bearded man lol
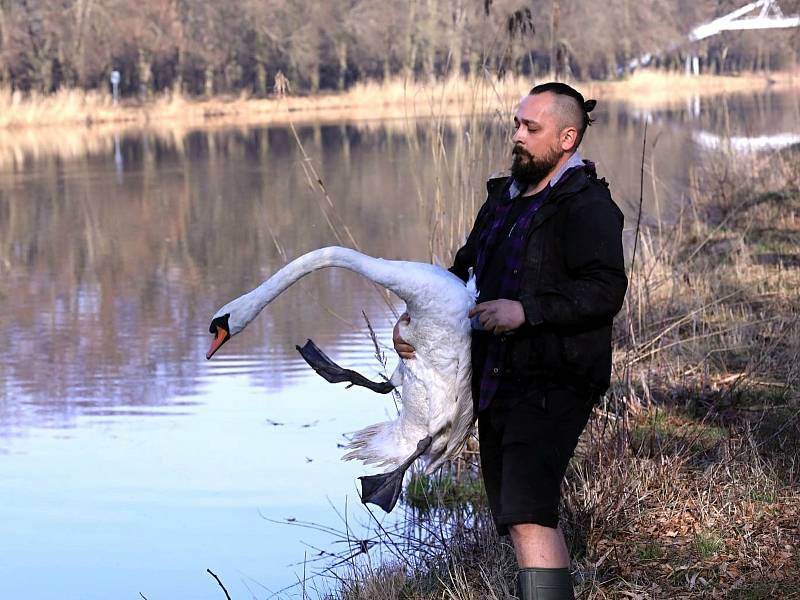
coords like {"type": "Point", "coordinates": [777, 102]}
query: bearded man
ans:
{"type": "Point", "coordinates": [546, 249]}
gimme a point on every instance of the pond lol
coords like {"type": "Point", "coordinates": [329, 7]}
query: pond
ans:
{"type": "Point", "coordinates": [129, 463]}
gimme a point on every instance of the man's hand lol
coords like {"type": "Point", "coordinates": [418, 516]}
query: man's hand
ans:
{"type": "Point", "coordinates": [499, 316]}
{"type": "Point", "coordinates": [402, 347]}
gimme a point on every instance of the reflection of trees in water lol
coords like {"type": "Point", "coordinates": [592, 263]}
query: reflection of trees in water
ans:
{"type": "Point", "coordinates": [109, 279]}
{"type": "Point", "coordinates": [109, 284]}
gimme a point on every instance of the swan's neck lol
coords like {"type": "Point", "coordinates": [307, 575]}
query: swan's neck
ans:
{"type": "Point", "coordinates": [389, 274]}
{"type": "Point", "coordinates": [375, 269]}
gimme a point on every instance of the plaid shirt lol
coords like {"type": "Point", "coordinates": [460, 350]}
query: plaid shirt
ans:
{"type": "Point", "coordinates": [510, 278]}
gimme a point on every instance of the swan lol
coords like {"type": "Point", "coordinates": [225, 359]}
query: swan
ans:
{"type": "Point", "coordinates": [435, 416]}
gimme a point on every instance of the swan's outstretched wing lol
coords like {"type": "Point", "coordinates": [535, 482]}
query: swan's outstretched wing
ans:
{"type": "Point", "coordinates": [333, 373]}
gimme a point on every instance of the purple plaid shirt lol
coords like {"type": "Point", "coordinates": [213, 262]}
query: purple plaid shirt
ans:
{"type": "Point", "coordinates": [510, 279]}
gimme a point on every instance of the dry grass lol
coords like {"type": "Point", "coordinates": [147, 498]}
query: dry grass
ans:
{"type": "Point", "coordinates": [396, 99]}
{"type": "Point", "coordinates": [72, 123]}
{"type": "Point", "coordinates": [685, 484]}
{"type": "Point", "coordinates": [657, 89]}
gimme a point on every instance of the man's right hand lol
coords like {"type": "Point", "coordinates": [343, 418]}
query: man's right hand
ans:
{"type": "Point", "coordinates": [402, 347]}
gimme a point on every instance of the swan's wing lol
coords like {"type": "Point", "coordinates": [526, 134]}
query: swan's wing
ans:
{"type": "Point", "coordinates": [462, 412]}
{"type": "Point", "coordinates": [333, 373]}
{"type": "Point", "coordinates": [463, 418]}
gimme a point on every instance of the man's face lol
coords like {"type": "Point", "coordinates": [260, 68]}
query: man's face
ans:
{"type": "Point", "coordinates": [537, 147]}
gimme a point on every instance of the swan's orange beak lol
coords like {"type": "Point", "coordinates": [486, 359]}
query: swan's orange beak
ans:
{"type": "Point", "coordinates": [221, 336]}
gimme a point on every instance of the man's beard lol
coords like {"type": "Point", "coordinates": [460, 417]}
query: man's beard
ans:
{"type": "Point", "coordinates": [528, 170]}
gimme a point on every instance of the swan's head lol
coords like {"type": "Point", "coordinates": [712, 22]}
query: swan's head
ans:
{"type": "Point", "coordinates": [231, 319]}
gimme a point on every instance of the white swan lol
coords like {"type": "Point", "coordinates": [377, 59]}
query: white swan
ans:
{"type": "Point", "coordinates": [435, 417]}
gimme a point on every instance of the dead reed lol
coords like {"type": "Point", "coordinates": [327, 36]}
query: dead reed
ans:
{"type": "Point", "coordinates": [394, 99]}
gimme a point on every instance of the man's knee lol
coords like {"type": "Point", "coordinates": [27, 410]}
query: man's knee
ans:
{"type": "Point", "coordinates": [524, 531]}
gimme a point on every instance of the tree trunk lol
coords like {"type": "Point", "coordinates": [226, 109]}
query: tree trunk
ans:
{"type": "Point", "coordinates": [429, 57]}
{"type": "Point", "coordinates": [387, 68]}
{"type": "Point", "coordinates": [178, 18]}
{"type": "Point", "coordinates": [261, 80]}
{"type": "Point", "coordinates": [722, 58]}
{"type": "Point", "coordinates": [5, 76]}
{"type": "Point", "coordinates": [177, 82]}
{"type": "Point", "coordinates": [555, 17]}
{"type": "Point", "coordinates": [341, 56]}
{"type": "Point", "coordinates": [45, 74]}
{"type": "Point", "coordinates": [145, 72]}
{"type": "Point", "coordinates": [611, 66]}
{"type": "Point", "coordinates": [410, 59]}
{"type": "Point", "coordinates": [456, 35]}
{"type": "Point", "coordinates": [208, 81]}
{"type": "Point", "coordinates": [83, 10]}
{"type": "Point", "coordinates": [233, 75]}
{"type": "Point", "coordinates": [475, 63]}
{"type": "Point", "coordinates": [313, 78]}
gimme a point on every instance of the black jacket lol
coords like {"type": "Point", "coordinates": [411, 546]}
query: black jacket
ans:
{"type": "Point", "coordinates": [573, 282]}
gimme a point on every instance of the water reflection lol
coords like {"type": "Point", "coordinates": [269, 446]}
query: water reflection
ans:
{"type": "Point", "coordinates": [115, 248]}
{"type": "Point", "coordinates": [126, 456]}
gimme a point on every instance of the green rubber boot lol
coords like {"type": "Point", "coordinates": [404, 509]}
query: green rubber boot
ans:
{"type": "Point", "coordinates": [544, 584]}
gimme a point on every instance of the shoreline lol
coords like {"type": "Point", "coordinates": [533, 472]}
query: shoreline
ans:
{"type": "Point", "coordinates": [364, 101]}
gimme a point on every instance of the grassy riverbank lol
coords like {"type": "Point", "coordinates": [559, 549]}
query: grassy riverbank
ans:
{"type": "Point", "coordinates": [395, 99]}
{"type": "Point", "coordinates": [685, 484]}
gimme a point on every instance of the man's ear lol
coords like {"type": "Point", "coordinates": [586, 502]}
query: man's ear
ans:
{"type": "Point", "coordinates": [569, 137]}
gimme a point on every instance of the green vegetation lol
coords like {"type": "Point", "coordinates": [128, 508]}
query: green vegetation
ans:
{"type": "Point", "coordinates": [707, 546]}
{"type": "Point", "coordinates": [651, 551]}
{"type": "Point", "coordinates": [444, 489]}
{"type": "Point", "coordinates": [665, 433]}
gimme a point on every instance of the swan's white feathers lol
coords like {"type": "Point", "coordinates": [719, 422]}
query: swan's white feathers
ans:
{"type": "Point", "coordinates": [435, 386]}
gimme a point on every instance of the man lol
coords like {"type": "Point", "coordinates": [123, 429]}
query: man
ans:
{"type": "Point", "coordinates": [546, 248]}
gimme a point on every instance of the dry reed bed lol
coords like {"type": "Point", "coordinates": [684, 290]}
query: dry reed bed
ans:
{"type": "Point", "coordinates": [657, 89]}
{"type": "Point", "coordinates": [395, 99]}
{"type": "Point", "coordinates": [695, 493]}
{"type": "Point", "coordinates": [685, 484]}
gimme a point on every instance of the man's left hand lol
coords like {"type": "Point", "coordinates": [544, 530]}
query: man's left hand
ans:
{"type": "Point", "coordinates": [499, 316]}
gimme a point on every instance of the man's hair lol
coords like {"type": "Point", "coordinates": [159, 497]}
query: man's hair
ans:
{"type": "Point", "coordinates": [572, 109]}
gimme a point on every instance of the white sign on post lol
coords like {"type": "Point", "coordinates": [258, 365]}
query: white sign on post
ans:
{"type": "Point", "coordinates": [115, 79]}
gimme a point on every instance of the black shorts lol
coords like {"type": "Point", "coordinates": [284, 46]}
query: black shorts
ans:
{"type": "Point", "coordinates": [526, 444]}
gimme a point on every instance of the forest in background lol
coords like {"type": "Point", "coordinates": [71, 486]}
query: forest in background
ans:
{"type": "Point", "coordinates": [203, 48]}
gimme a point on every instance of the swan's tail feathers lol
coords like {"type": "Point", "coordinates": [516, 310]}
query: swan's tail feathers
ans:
{"type": "Point", "coordinates": [330, 371]}
{"type": "Point", "coordinates": [377, 445]}
{"type": "Point", "coordinates": [383, 490]}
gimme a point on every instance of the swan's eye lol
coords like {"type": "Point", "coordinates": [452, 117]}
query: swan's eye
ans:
{"type": "Point", "coordinates": [221, 321]}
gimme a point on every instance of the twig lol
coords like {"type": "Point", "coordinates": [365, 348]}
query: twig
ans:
{"type": "Point", "coordinates": [305, 556]}
{"type": "Point", "coordinates": [641, 200]}
{"type": "Point", "coordinates": [227, 595]}
{"type": "Point", "coordinates": [625, 375]}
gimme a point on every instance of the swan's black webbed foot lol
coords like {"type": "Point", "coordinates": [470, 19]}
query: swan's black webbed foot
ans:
{"type": "Point", "coordinates": [330, 371]}
{"type": "Point", "coordinates": [384, 489]}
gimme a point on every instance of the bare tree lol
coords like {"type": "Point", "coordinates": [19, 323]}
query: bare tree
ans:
{"type": "Point", "coordinates": [206, 47]}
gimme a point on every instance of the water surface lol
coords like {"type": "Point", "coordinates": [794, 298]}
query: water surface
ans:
{"type": "Point", "coordinates": [131, 464]}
